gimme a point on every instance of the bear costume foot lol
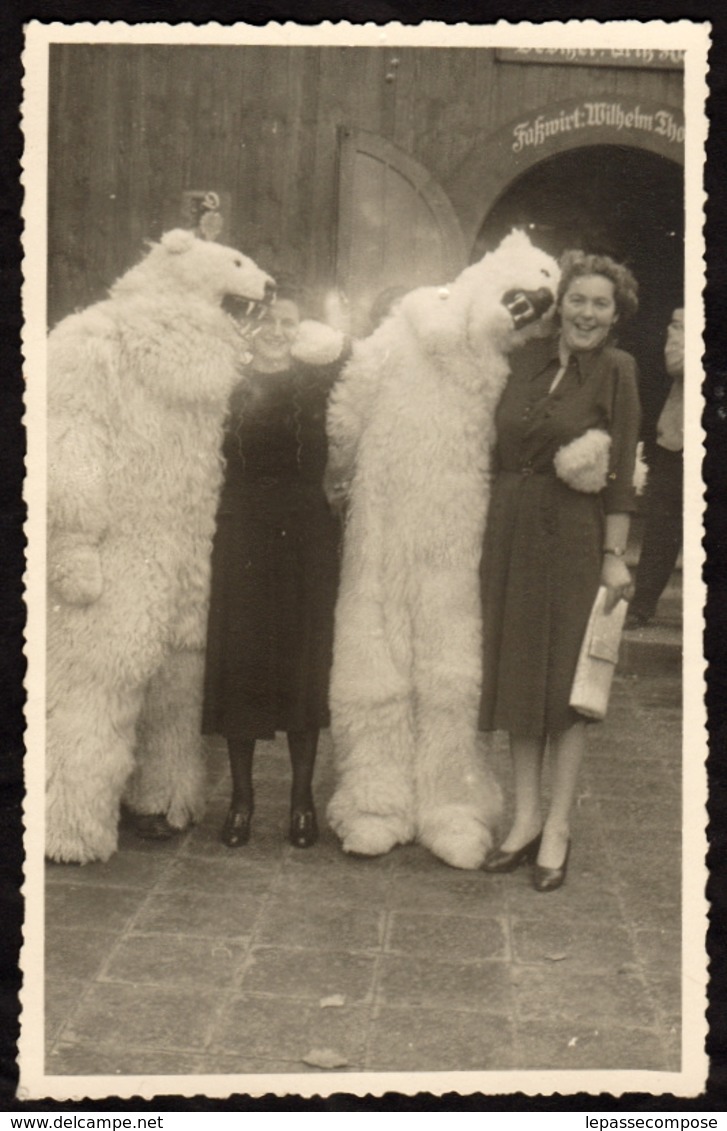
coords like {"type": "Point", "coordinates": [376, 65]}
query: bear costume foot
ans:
{"type": "Point", "coordinates": [92, 843]}
{"type": "Point", "coordinates": [456, 835]}
{"type": "Point", "coordinates": [153, 826]}
{"type": "Point", "coordinates": [372, 836]}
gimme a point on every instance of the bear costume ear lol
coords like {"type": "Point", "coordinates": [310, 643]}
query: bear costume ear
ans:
{"type": "Point", "coordinates": [178, 241]}
{"type": "Point", "coordinates": [517, 238]}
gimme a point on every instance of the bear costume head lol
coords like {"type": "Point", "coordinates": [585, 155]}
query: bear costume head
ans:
{"type": "Point", "coordinates": [504, 296]}
{"type": "Point", "coordinates": [178, 323]}
{"type": "Point", "coordinates": [213, 273]}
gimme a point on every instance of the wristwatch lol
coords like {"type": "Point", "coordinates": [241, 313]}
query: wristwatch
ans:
{"type": "Point", "coordinates": [617, 551]}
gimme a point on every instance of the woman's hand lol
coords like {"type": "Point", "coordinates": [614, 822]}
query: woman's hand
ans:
{"type": "Point", "coordinates": [616, 577]}
{"type": "Point", "coordinates": [614, 571]}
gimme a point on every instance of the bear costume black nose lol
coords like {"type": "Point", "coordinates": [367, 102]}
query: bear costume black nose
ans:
{"type": "Point", "coordinates": [527, 306]}
{"type": "Point", "coordinates": [542, 300]}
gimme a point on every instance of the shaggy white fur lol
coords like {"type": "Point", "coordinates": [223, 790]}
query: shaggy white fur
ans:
{"type": "Point", "coordinates": [410, 431]}
{"type": "Point", "coordinates": [137, 393]}
{"type": "Point", "coordinates": [316, 343]}
{"type": "Point", "coordinates": [583, 463]}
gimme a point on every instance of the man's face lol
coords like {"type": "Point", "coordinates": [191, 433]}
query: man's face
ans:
{"type": "Point", "coordinates": [674, 348]}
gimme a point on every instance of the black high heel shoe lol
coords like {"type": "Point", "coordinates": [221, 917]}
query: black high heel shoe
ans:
{"type": "Point", "coordinates": [303, 831]}
{"type": "Point", "coordinates": [550, 879]}
{"type": "Point", "coordinates": [498, 861]}
{"type": "Point", "coordinates": [236, 829]}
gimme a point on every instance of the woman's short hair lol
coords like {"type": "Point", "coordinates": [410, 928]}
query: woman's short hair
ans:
{"type": "Point", "coordinates": [289, 291]}
{"type": "Point", "coordinates": [288, 287]}
{"type": "Point", "coordinates": [575, 264]}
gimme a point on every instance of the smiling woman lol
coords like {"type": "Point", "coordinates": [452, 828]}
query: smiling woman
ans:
{"type": "Point", "coordinates": [272, 343]}
{"type": "Point", "coordinates": [587, 313]}
{"type": "Point", "coordinates": [553, 537]}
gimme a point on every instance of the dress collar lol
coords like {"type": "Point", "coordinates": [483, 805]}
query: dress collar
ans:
{"type": "Point", "coordinates": [546, 354]}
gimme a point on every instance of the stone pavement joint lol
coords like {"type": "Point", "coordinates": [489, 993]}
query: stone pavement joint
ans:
{"type": "Point", "coordinates": [185, 957]}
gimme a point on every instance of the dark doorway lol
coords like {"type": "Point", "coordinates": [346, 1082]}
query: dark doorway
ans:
{"type": "Point", "coordinates": [618, 200]}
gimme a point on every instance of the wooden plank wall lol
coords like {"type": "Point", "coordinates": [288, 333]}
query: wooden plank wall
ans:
{"type": "Point", "coordinates": [132, 127]}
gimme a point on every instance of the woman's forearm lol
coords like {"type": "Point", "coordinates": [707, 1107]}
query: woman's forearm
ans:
{"type": "Point", "coordinates": [617, 532]}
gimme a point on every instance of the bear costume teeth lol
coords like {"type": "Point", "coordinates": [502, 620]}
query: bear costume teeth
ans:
{"type": "Point", "coordinates": [244, 309]}
{"type": "Point", "coordinates": [528, 306]}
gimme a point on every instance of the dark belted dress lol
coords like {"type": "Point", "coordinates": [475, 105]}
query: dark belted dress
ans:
{"type": "Point", "coordinates": [275, 562]}
{"type": "Point", "coordinates": [543, 548]}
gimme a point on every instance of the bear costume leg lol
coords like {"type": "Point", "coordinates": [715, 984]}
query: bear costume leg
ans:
{"type": "Point", "coordinates": [169, 774]}
{"type": "Point", "coordinates": [458, 801]}
{"type": "Point", "coordinates": [372, 808]}
{"type": "Point", "coordinates": [89, 757]}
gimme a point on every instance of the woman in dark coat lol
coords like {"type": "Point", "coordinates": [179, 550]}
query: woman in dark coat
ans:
{"type": "Point", "coordinates": [551, 540]}
{"type": "Point", "coordinates": [274, 569]}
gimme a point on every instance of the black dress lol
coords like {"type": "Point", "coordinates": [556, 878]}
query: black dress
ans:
{"type": "Point", "coordinates": [543, 548]}
{"type": "Point", "coordinates": [274, 562]}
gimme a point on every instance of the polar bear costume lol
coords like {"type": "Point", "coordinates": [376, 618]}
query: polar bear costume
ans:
{"type": "Point", "coordinates": [410, 432]}
{"type": "Point", "coordinates": [137, 393]}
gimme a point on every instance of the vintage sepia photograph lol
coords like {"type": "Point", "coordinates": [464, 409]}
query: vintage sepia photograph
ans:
{"type": "Point", "coordinates": [366, 730]}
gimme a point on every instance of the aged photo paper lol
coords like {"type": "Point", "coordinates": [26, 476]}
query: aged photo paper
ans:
{"type": "Point", "coordinates": [360, 161]}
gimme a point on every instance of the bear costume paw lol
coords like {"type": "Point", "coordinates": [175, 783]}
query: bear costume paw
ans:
{"type": "Point", "coordinates": [583, 463]}
{"type": "Point", "coordinates": [317, 343]}
{"type": "Point", "coordinates": [75, 573]}
{"type": "Point", "coordinates": [641, 470]}
{"type": "Point", "coordinates": [371, 836]}
{"type": "Point", "coordinates": [456, 835]}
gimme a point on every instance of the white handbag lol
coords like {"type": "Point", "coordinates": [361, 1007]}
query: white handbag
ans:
{"type": "Point", "coordinates": [598, 658]}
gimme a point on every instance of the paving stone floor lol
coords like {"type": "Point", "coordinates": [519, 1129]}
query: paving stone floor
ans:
{"type": "Point", "coordinates": [186, 957]}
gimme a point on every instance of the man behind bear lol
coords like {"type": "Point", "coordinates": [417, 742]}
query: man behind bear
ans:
{"type": "Point", "coordinates": [663, 528]}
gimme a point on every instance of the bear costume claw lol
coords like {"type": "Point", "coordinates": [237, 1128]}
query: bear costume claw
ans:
{"type": "Point", "coordinates": [458, 836]}
{"type": "Point", "coordinates": [371, 836]}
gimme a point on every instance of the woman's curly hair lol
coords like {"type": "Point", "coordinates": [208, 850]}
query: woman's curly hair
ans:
{"type": "Point", "coordinates": [574, 264]}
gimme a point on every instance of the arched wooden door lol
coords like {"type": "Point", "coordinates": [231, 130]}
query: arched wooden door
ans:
{"type": "Point", "coordinates": [396, 225]}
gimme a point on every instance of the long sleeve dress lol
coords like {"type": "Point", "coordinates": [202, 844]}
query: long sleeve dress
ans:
{"type": "Point", "coordinates": [543, 548]}
{"type": "Point", "coordinates": [274, 563]}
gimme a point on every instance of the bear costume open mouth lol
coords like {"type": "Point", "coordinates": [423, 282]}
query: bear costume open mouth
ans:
{"type": "Point", "coordinates": [525, 307]}
{"type": "Point", "coordinates": [247, 311]}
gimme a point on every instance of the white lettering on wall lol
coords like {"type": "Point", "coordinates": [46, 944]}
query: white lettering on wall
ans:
{"type": "Point", "coordinates": [534, 132]}
{"type": "Point", "coordinates": [614, 57]}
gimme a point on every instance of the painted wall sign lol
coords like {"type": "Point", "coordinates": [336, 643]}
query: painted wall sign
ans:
{"type": "Point", "coordinates": [594, 57]}
{"type": "Point", "coordinates": [616, 117]}
{"type": "Point", "coordinates": [541, 133]}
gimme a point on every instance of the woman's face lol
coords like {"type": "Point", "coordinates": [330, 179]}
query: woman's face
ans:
{"type": "Point", "coordinates": [278, 330]}
{"type": "Point", "coordinates": [587, 312]}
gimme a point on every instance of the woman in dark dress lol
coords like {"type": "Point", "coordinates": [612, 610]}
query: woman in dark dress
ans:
{"type": "Point", "coordinates": [549, 544]}
{"type": "Point", "coordinates": [274, 571]}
